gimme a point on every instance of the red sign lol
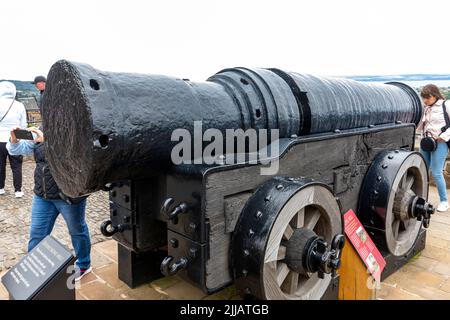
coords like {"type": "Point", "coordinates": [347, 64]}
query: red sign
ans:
{"type": "Point", "coordinates": [364, 245]}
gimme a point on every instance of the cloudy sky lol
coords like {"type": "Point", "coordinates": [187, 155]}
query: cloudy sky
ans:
{"type": "Point", "coordinates": [194, 39]}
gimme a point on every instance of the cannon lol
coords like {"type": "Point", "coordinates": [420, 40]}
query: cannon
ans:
{"type": "Point", "coordinates": [340, 145]}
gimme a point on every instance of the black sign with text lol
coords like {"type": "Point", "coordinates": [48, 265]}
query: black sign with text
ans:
{"type": "Point", "coordinates": [37, 269]}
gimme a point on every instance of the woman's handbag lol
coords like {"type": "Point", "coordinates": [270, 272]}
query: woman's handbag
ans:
{"type": "Point", "coordinates": [428, 143]}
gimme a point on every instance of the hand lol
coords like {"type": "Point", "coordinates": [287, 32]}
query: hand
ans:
{"type": "Point", "coordinates": [13, 138]}
{"type": "Point", "coordinates": [439, 139]}
{"type": "Point", "coordinates": [39, 134]}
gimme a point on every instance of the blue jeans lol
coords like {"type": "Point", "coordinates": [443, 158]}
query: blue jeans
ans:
{"type": "Point", "coordinates": [435, 161]}
{"type": "Point", "coordinates": [43, 216]}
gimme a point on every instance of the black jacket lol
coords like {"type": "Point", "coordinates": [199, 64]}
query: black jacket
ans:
{"type": "Point", "coordinates": [44, 185]}
{"type": "Point", "coordinates": [39, 100]}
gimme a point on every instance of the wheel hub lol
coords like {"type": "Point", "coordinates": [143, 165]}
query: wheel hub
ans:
{"type": "Point", "coordinates": [402, 204]}
{"type": "Point", "coordinates": [297, 249]}
{"type": "Point", "coordinates": [307, 253]}
{"type": "Point", "coordinates": [409, 206]}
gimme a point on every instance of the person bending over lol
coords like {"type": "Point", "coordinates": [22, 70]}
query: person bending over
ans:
{"type": "Point", "coordinates": [49, 202]}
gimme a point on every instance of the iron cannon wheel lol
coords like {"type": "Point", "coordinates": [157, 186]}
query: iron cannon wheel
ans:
{"type": "Point", "coordinates": [401, 234]}
{"type": "Point", "coordinates": [393, 179]}
{"type": "Point", "coordinates": [277, 210]}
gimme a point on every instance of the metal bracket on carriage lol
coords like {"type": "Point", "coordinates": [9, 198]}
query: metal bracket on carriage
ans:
{"type": "Point", "coordinates": [172, 214]}
{"type": "Point", "coordinates": [108, 230]}
{"type": "Point", "coordinates": [319, 259]}
{"type": "Point", "coordinates": [422, 211]}
{"type": "Point", "coordinates": [170, 268]}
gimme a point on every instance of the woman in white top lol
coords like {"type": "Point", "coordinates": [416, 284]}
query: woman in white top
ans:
{"type": "Point", "coordinates": [432, 124]}
{"type": "Point", "coordinates": [12, 115]}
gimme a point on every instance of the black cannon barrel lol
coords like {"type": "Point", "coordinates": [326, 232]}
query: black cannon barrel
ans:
{"type": "Point", "coordinates": [327, 104]}
{"type": "Point", "coordinates": [102, 127]}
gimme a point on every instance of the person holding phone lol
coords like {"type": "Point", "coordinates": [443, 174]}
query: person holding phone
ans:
{"type": "Point", "coordinates": [12, 114]}
{"type": "Point", "coordinates": [433, 124]}
{"type": "Point", "coordinates": [49, 201]}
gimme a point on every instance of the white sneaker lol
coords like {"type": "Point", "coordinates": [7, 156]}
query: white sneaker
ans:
{"type": "Point", "coordinates": [443, 206]}
{"type": "Point", "coordinates": [2, 191]}
{"type": "Point", "coordinates": [82, 273]}
{"type": "Point", "coordinates": [19, 194]}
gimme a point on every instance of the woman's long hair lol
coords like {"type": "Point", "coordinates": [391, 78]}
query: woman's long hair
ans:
{"type": "Point", "coordinates": [431, 90]}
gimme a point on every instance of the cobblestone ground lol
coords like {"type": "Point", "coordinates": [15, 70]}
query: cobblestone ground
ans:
{"type": "Point", "coordinates": [15, 217]}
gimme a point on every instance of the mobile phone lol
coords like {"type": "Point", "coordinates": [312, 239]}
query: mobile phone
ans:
{"type": "Point", "coordinates": [23, 134]}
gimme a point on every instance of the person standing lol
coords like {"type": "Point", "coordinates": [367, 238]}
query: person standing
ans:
{"type": "Point", "coordinates": [12, 114]}
{"type": "Point", "coordinates": [39, 83]}
{"type": "Point", "coordinates": [49, 202]}
{"type": "Point", "coordinates": [432, 124]}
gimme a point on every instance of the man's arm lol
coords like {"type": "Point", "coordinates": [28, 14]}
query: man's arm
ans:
{"type": "Point", "coordinates": [21, 148]}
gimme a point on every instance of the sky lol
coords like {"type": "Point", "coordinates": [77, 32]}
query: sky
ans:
{"type": "Point", "coordinates": [196, 38]}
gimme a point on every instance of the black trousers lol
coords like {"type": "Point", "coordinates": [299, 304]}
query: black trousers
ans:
{"type": "Point", "coordinates": [16, 167]}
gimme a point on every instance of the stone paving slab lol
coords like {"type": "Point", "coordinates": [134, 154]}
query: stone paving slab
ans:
{"type": "Point", "coordinates": [15, 217]}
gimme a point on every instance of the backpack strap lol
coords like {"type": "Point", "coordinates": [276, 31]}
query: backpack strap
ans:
{"type": "Point", "coordinates": [447, 119]}
{"type": "Point", "coordinates": [4, 116]}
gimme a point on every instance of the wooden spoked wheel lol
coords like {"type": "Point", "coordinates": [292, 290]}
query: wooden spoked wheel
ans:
{"type": "Point", "coordinates": [410, 181]}
{"type": "Point", "coordinates": [296, 211]}
{"type": "Point", "coordinates": [393, 183]}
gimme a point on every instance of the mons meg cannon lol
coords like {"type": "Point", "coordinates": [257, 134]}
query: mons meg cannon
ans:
{"type": "Point", "coordinates": [342, 145]}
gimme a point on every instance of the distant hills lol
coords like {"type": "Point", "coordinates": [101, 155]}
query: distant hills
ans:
{"type": "Point", "coordinates": [404, 77]}
{"type": "Point", "coordinates": [27, 89]}
{"type": "Point", "coordinates": [24, 88]}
